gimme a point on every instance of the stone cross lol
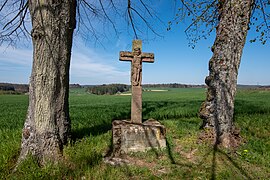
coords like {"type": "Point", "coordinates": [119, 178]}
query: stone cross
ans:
{"type": "Point", "coordinates": [136, 57]}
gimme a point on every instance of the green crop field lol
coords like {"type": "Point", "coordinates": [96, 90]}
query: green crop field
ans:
{"type": "Point", "coordinates": [184, 158]}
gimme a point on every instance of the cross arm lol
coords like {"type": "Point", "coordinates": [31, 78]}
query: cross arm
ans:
{"type": "Point", "coordinates": [125, 56]}
{"type": "Point", "coordinates": [148, 57]}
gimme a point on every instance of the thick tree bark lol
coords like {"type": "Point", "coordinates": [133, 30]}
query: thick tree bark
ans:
{"type": "Point", "coordinates": [218, 109]}
{"type": "Point", "coordinates": [47, 125]}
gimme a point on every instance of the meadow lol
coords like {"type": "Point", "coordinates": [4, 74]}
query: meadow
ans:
{"type": "Point", "coordinates": [186, 157]}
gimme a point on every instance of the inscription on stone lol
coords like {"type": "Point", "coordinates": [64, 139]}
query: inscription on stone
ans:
{"type": "Point", "coordinates": [131, 137]}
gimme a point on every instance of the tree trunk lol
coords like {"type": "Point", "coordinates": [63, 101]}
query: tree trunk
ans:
{"type": "Point", "coordinates": [47, 125]}
{"type": "Point", "coordinates": [218, 109]}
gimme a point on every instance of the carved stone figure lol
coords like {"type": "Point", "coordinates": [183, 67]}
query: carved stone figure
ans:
{"type": "Point", "coordinates": [136, 73]}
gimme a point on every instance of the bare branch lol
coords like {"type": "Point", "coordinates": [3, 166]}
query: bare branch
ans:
{"type": "Point", "coordinates": [13, 26]}
{"type": "Point", "coordinates": [264, 14]}
{"type": "Point", "coordinates": [4, 4]}
{"type": "Point", "coordinates": [91, 17]}
{"type": "Point", "coordinates": [146, 8]}
{"type": "Point", "coordinates": [109, 19]}
{"type": "Point", "coordinates": [198, 18]}
{"type": "Point", "coordinates": [19, 25]}
{"type": "Point", "coordinates": [114, 7]}
{"type": "Point", "coordinates": [131, 20]}
{"type": "Point", "coordinates": [90, 6]}
{"type": "Point", "coordinates": [186, 6]}
{"type": "Point", "coordinates": [145, 21]}
{"type": "Point", "coordinates": [18, 14]}
{"type": "Point", "coordinates": [89, 25]}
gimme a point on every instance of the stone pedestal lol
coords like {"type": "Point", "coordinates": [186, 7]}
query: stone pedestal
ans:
{"type": "Point", "coordinates": [135, 137]}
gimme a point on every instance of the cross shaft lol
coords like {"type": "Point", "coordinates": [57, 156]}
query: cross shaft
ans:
{"type": "Point", "coordinates": [136, 57]}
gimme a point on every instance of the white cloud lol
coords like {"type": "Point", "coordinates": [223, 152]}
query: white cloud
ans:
{"type": "Point", "coordinates": [17, 57]}
{"type": "Point", "coordinates": [15, 64]}
{"type": "Point", "coordinates": [90, 67]}
{"type": "Point", "coordinates": [82, 65]}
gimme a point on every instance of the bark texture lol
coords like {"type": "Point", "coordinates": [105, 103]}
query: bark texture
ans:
{"type": "Point", "coordinates": [218, 109]}
{"type": "Point", "coordinates": [47, 125]}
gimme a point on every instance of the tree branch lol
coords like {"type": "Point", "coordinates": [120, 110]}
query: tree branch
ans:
{"type": "Point", "coordinates": [200, 16]}
{"type": "Point", "coordinates": [131, 20]}
{"type": "Point", "coordinates": [15, 17]}
{"type": "Point", "coordinates": [264, 14]}
{"type": "Point", "coordinates": [109, 19]}
{"type": "Point", "coordinates": [4, 4]}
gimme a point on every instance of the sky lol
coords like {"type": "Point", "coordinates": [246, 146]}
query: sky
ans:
{"type": "Point", "coordinates": [175, 61]}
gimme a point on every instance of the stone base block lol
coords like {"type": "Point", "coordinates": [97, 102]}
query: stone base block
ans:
{"type": "Point", "coordinates": [134, 137]}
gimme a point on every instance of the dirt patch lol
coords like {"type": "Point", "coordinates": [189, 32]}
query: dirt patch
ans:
{"type": "Point", "coordinates": [230, 141]}
{"type": "Point", "coordinates": [153, 166]}
{"type": "Point", "coordinates": [189, 155]}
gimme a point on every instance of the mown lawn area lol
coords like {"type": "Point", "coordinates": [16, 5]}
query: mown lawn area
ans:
{"type": "Point", "coordinates": [184, 158]}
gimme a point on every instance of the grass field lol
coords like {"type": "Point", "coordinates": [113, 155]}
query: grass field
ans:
{"type": "Point", "coordinates": [184, 157]}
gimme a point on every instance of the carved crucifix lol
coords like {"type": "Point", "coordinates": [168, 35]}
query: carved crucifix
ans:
{"type": "Point", "coordinates": [136, 57]}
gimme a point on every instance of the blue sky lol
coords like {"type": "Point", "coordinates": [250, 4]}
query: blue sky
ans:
{"type": "Point", "coordinates": [175, 62]}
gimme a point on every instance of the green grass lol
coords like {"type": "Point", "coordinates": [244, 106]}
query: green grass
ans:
{"type": "Point", "coordinates": [184, 157]}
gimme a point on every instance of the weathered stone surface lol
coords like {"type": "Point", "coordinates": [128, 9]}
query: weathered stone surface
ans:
{"type": "Point", "coordinates": [135, 137]}
{"type": "Point", "coordinates": [136, 104]}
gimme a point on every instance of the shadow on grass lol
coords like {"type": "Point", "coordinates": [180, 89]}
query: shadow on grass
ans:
{"type": "Point", "coordinates": [95, 130]}
{"type": "Point", "coordinates": [172, 159]}
{"type": "Point", "coordinates": [150, 106]}
{"type": "Point", "coordinates": [218, 155]}
{"type": "Point", "coordinates": [161, 110]}
{"type": "Point", "coordinates": [98, 129]}
{"type": "Point", "coordinates": [169, 151]}
{"type": "Point", "coordinates": [249, 107]}
{"type": "Point", "coordinates": [222, 155]}
{"type": "Point", "coordinates": [93, 160]}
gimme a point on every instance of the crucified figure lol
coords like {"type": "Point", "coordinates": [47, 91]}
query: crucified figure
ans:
{"type": "Point", "coordinates": [136, 68]}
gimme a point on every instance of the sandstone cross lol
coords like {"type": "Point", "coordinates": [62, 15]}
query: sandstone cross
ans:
{"type": "Point", "coordinates": [136, 57]}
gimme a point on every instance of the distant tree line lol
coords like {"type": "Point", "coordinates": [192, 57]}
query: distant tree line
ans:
{"type": "Point", "coordinates": [113, 88]}
{"type": "Point", "coordinates": [7, 88]}
{"type": "Point", "coordinates": [75, 86]}
{"type": "Point", "coordinates": [172, 85]}
{"type": "Point", "coordinates": [108, 89]}
{"type": "Point", "coordinates": [18, 88]}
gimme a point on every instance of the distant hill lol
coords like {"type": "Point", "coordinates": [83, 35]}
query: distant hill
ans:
{"type": "Point", "coordinates": [172, 85]}
{"type": "Point", "coordinates": [242, 86]}
{"type": "Point", "coordinates": [24, 88]}
{"type": "Point", "coordinates": [16, 88]}
{"type": "Point", "coordinates": [11, 88]}
{"type": "Point", "coordinates": [75, 86]}
{"type": "Point", "coordinates": [109, 89]}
